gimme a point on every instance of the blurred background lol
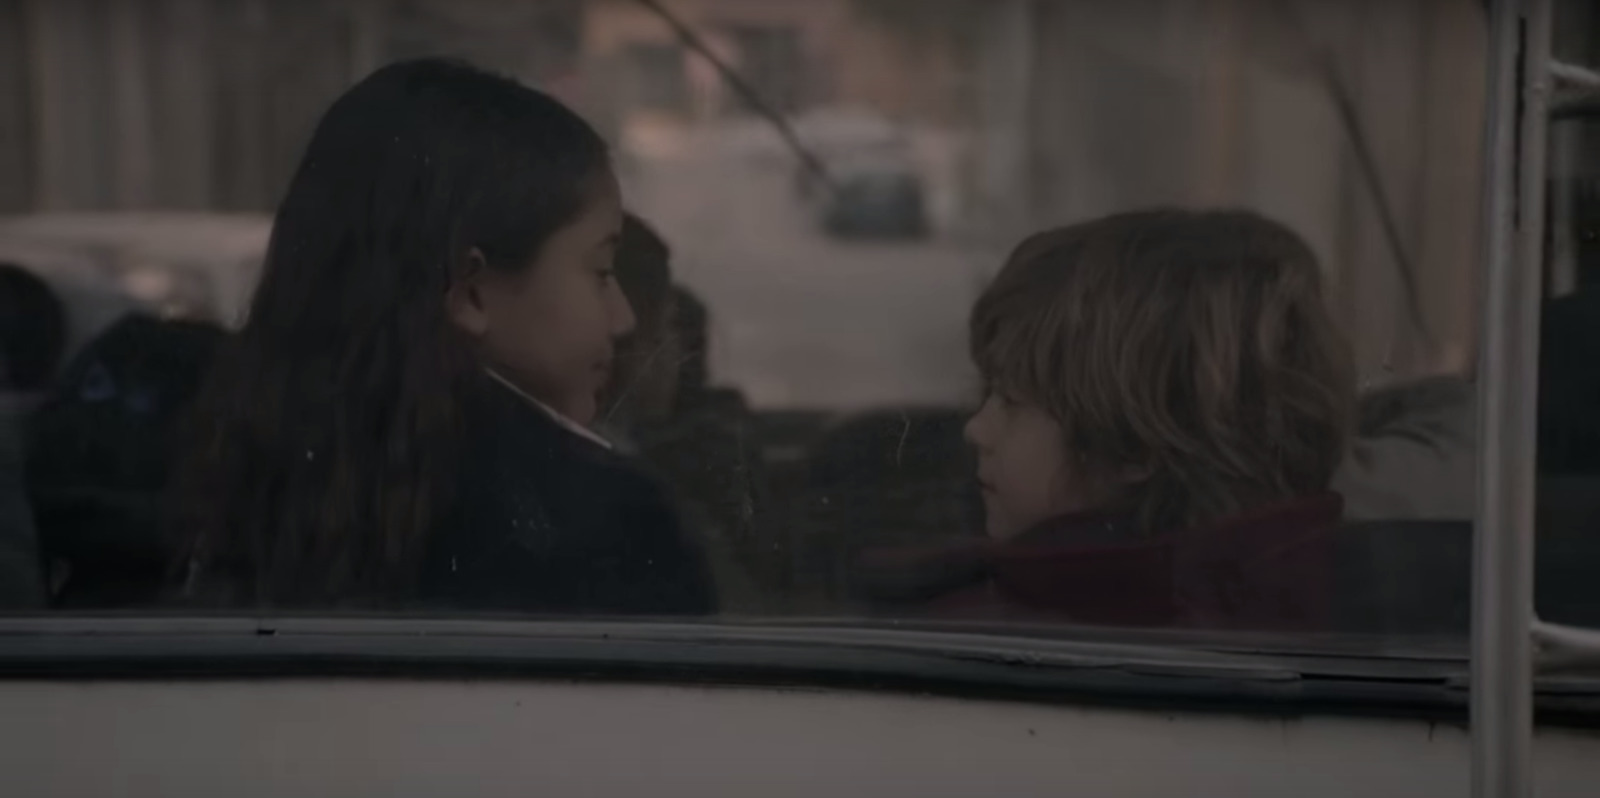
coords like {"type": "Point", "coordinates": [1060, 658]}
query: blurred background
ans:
{"type": "Point", "coordinates": [144, 144]}
{"type": "Point", "coordinates": [957, 125]}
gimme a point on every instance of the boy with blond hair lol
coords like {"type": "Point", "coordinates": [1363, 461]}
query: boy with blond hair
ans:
{"type": "Point", "coordinates": [1167, 400]}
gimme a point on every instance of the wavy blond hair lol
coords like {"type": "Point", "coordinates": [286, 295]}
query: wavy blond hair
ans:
{"type": "Point", "coordinates": [1192, 349]}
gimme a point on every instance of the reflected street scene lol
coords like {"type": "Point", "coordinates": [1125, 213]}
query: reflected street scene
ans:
{"type": "Point", "coordinates": [852, 309]}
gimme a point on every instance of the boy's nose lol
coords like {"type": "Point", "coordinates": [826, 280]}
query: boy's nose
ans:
{"type": "Point", "coordinates": [974, 431]}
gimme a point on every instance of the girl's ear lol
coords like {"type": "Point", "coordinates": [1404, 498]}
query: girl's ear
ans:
{"type": "Point", "coordinates": [464, 298]}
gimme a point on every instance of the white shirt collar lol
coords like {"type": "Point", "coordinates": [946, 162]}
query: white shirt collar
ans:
{"type": "Point", "coordinates": [561, 420]}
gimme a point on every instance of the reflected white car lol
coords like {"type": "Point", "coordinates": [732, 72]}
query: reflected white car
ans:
{"type": "Point", "coordinates": [103, 265]}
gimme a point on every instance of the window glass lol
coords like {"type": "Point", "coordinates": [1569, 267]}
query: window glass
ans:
{"type": "Point", "coordinates": [1152, 314]}
{"type": "Point", "coordinates": [1568, 440]}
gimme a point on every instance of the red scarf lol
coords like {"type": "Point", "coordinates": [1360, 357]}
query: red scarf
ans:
{"type": "Point", "coordinates": [1267, 569]}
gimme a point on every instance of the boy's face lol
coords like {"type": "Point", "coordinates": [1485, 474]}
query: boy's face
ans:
{"type": "Point", "coordinates": [1026, 474]}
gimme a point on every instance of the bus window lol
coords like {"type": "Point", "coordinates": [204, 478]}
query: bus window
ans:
{"type": "Point", "coordinates": [1033, 316]}
{"type": "Point", "coordinates": [1569, 440]}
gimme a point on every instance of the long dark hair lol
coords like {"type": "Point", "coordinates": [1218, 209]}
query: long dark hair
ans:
{"type": "Point", "coordinates": [326, 440]}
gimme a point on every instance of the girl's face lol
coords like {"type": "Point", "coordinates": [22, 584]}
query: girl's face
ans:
{"type": "Point", "coordinates": [551, 327]}
{"type": "Point", "coordinates": [1024, 469]}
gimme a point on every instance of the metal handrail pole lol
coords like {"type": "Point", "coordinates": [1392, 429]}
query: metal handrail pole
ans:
{"type": "Point", "coordinates": [1502, 644]}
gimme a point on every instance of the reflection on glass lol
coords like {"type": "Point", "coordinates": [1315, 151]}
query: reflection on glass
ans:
{"type": "Point", "coordinates": [471, 381]}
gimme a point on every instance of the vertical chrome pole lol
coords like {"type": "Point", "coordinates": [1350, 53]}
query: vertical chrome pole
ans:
{"type": "Point", "coordinates": [1502, 646]}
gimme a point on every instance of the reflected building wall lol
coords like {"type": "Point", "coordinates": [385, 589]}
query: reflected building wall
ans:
{"type": "Point", "coordinates": [16, 130]}
{"type": "Point", "coordinates": [1056, 110]}
{"type": "Point", "coordinates": [796, 55]}
{"type": "Point", "coordinates": [1575, 161]}
{"type": "Point", "coordinates": [1224, 102]}
{"type": "Point", "coordinates": [206, 104]}
{"type": "Point", "coordinates": [785, 50]}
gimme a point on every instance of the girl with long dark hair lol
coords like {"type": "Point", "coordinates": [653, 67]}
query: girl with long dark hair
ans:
{"type": "Point", "coordinates": [402, 421]}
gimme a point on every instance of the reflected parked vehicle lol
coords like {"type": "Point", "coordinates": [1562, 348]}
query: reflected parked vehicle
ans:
{"type": "Point", "coordinates": [840, 135]}
{"type": "Point", "coordinates": [169, 264]}
{"type": "Point", "coordinates": [880, 201]}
